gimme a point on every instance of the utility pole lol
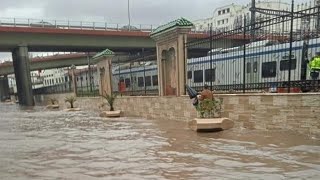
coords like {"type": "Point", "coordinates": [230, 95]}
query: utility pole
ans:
{"type": "Point", "coordinates": [318, 17]}
{"type": "Point", "coordinates": [253, 20]}
{"type": "Point", "coordinates": [129, 15]}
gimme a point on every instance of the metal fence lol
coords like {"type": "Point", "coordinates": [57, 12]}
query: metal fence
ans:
{"type": "Point", "coordinates": [269, 55]}
{"type": "Point", "coordinates": [137, 76]}
{"type": "Point", "coordinates": [87, 81]}
{"type": "Point", "coordinates": [53, 82]}
{"type": "Point", "coordinates": [65, 87]}
{"type": "Point", "coordinates": [60, 81]}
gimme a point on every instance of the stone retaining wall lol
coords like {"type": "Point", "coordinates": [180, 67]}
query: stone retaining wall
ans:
{"type": "Point", "coordinates": [298, 112]}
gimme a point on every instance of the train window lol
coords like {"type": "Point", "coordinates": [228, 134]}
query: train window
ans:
{"type": "Point", "coordinates": [198, 76]}
{"type": "Point", "coordinates": [127, 82]}
{"type": "Point", "coordinates": [155, 80]}
{"type": "Point", "coordinates": [148, 80]}
{"type": "Point", "coordinates": [255, 67]}
{"type": "Point", "coordinates": [248, 67]}
{"type": "Point", "coordinates": [210, 75]}
{"type": "Point", "coordinates": [140, 82]}
{"type": "Point", "coordinates": [269, 69]}
{"type": "Point", "coordinates": [189, 74]}
{"type": "Point", "coordinates": [284, 64]}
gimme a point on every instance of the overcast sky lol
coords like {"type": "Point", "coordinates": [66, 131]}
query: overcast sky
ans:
{"type": "Point", "coordinates": [114, 11]}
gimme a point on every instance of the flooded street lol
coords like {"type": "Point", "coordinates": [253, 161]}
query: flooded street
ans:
{"type": "Point", "coordinates": [42, 144]}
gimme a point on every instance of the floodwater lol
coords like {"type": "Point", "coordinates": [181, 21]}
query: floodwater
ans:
{"type": "Point", "coordinates": [42, 144]}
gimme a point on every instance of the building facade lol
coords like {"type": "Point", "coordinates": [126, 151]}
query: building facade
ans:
{"type": "Point", "coordinates": [232, 16]}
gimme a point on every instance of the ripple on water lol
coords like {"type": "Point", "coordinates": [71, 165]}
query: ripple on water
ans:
{"type": "Point", "coordinates": [42, 144]}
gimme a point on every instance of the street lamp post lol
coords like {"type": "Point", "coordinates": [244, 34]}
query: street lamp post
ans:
{"type": "Point", "coordinates": [129, 15]}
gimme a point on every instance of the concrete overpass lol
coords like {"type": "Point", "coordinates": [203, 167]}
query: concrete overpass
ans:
{"type": "Point", "coordinates": [76, 40]}
{"type": "Point", "coordinates": [49, 62]}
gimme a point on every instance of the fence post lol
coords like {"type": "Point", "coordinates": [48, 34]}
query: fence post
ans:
{"type": "Point", "coordinates": [144, 72]}
{"type": "Point", "coordinates": [211, 59]}
{"type": "Point", "coordinates": [244, 55]}
{"type": "Point", "coordinates": [318, 17]}
{"type": "Point", "coordinates": [119, 77]}
{"type": "Point", "coordinates": [89, 71]}
{"type": "Point", "coordinates": [290, 48]}
{"type": "Point", "coordinates": [131, 84]}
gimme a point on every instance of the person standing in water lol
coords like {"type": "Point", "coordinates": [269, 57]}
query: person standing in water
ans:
{"type": "Point", "coordinates": [205, 94]}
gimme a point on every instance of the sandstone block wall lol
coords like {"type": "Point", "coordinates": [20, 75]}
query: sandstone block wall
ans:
{"type": "Point", "coordinates": [297, 112]}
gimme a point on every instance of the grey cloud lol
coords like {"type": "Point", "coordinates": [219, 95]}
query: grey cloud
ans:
{"type": "Point", "coordinates": [142, 11]}
{"type": "Point", "coordinates": [115, 11]}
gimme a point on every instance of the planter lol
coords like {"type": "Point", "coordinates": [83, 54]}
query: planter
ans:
{"type": "Point", "coordinates": [110, 113]}
{"type": "Point", "coordinates": [53, 106]}
{"type": "Point", "coordinates": [9, 102]}
{"type": "Point", "coordinates": [211, 124]}
{"type": "Point", "coordinates": [72, 109]}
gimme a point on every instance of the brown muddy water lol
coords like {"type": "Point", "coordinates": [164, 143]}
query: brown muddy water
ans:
{"type": "Point", "coordinates": [41, 144]}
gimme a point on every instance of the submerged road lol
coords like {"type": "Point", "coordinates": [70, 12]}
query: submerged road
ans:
{"type": "Point", "coordinates": [41, 144]}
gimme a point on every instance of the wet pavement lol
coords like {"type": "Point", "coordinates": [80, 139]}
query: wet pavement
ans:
{"type": "Point", "coordinates": [42, 144]}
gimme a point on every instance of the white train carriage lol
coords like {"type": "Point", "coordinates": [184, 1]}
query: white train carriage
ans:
{"type": "Point", "coordinates": [265, 63]}
{"type": "Point", "coordinates": [136, 78]}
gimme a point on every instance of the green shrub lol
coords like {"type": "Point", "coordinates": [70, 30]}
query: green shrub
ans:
{"type": "Point", "coordinates": [210, 108]}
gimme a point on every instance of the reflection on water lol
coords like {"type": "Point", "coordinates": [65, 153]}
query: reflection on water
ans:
{"type": "Point", "coordinates": [40, 144]}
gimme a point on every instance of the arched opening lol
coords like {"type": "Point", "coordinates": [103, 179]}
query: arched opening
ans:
{"type": "Point", "coordinates": [169, 72]}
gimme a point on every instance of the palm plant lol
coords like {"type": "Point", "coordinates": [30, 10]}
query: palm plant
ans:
{"type": "Point", "coordinates": [110, 99]}
{"type": "Point", "coordinates": [53, 101]}
{"type": "Point", "coordinates": [71, 100]}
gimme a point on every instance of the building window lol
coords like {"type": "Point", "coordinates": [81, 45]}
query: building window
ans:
{"type": "Point", "coordinates": [255, 67]}
{"type": "Point", "coordinates": [248, 67]}
{"type": "Point", "coordinates": [228, 10]}
{"type": "Point", "coordinates": [218, 22]}
{"type": "Point", "coordinates": [226, 21]}
{"type": "Point", "coordinates": [223, 11]}
{"type": "Point", "coordinates": [210, 75]}
{"type": "Point", "coordinates": [284, 64]}
{"type": "Point", "coordinates": [189, 74]}
{"type": "Point", "coordinates": [140, 82]}
{"type": "Point", "coordinates": [148, 80]}
{"type": "Point", "coordinates": [222, 22]}
{"type": "Point", "coordinates": [198, 76]}
{"type": "Point", "coordinates": [155, 80]}
{"type": "Point", "coordinates": [269, 69]}
{"type": "Point", "coordinates": [127, 82]}
{"type": "Point", "coordinates": [219, 12]}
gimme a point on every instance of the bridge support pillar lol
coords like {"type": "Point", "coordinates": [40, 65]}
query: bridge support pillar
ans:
{"type": "Point", "coordinates": [21, 67]}
{"type": "Point", "coordinates": [4, 88]}
{"type": "Point", "coordinates": [170, 43]}
{"type": "Point", "coordinates": [104, 67]}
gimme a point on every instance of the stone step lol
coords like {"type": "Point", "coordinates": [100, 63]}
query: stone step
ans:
{"type": "Point", "coordinates": [199, 124]}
